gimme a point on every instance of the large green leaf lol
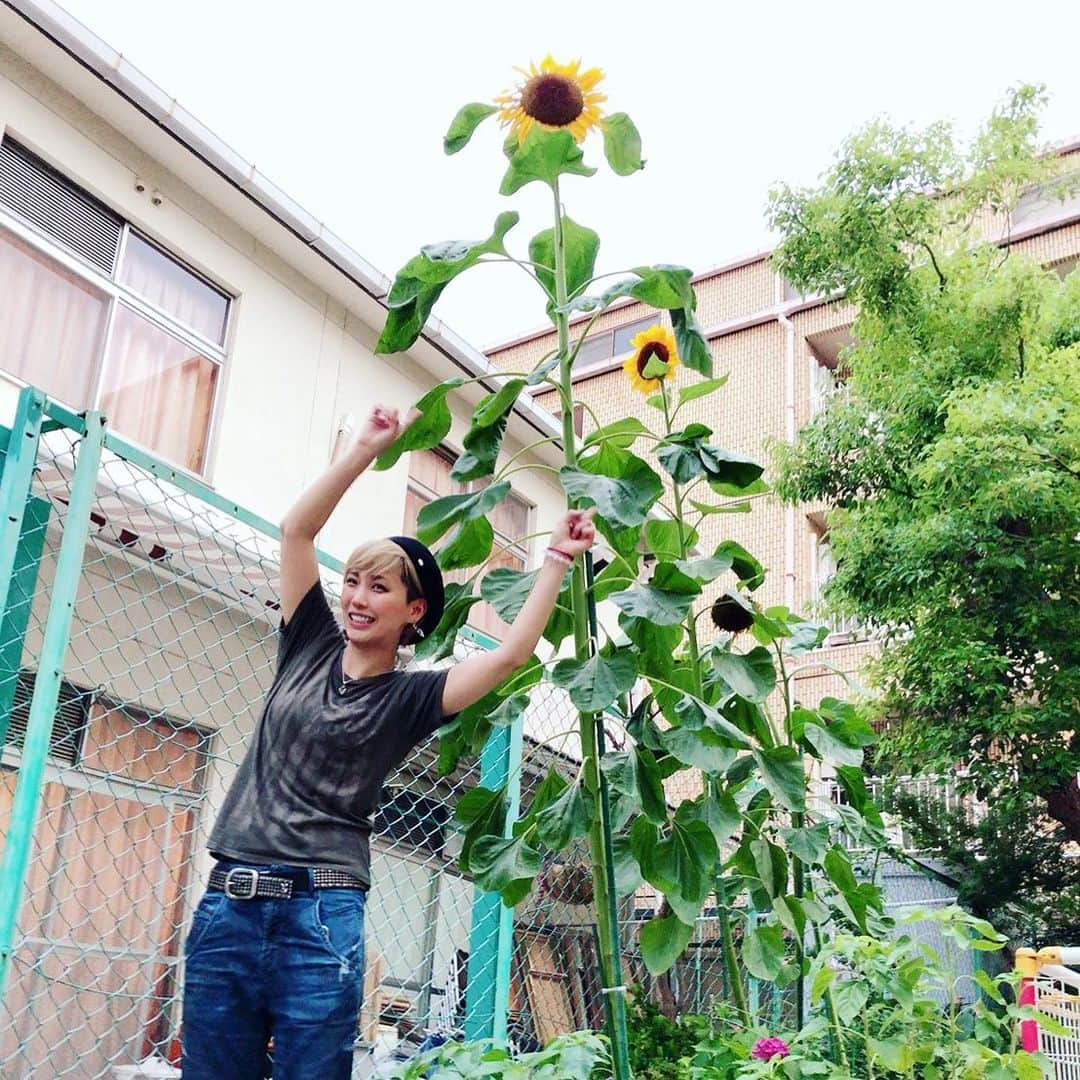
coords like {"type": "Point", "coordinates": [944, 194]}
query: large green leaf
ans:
{"type": "Point", "coordinates": [704, 570]}
{"type": "Point", "coordinates": [669, 539]}
{"type": "Point", "coordinates": [544, 155]}
{"type": "Point", "coordinates": [693, 349]}
{"type": "Point", "coordinates": [808, 844]}
{"type": "Point", "coordinates": [504, 865]}
{"type": "Point", "coordinates": [622, 144]}
{"type": "Point", "coordinates": [436, 517]}
{"type": "Point", "coordinates": [420, 282]}
{"type": "Point", "coordinates": [701, 389]}
{"type": "Point", "coordinates": [438, 264]}
{"type": "Point", "coordinates": [664, 286]}
{"type": "Point", "coordinates": [783, 774]}
{"type": "Point", "coordinates": [699, 749]}
{"type": "Point", "coordinates": [635, 784]}
{"type": "Point", "coordinates": [469, 544]}
{"type": "Point", "coordinates": [771, 866]}
{"type": "Point", "coordinates": [440, 643]}
{"type": "Point", "coordinates": [750, 675]}
{"type": "Point", "coordinates": [506, 590]}
{"type": "Point", "coordinates": [663, 941]}
{"type": "Point", "coordinates": [484, 437]}
{"type": "Point", "coordinates": [581, 246]}
{"type": "Point", "coordinates": [482, 812]}
{"type": "Point", "coordinates": [829, 748]}
{"type": "Point", "coordinates": [718, 811]}
{"type": "Point", "coordinates": [680, 864]}
{"type": "Point", "coordinates": [618, 483]}
{"type": "Point", "coordinates": [620, 433]}
{"type": "Point", "coordinates": [427, 430]}
{"type": "Point", "coordinates": [551, 787]}
{"type": "Point", "coordinates": [693, 714]}
{"type": "Point", "coordinates": [685, 455]}
{"type": "Point", "coordinates": [665, 601]}
{"type": "Point", "coordinates": [627, 872]}
{"type": "Point", "coordinates": [468, 119]}
{"type": "Point", "coordinates": [595, 683]}
{"type": "Point", "coordinates": [763, 951]}
{"type": "Point", "coordinates": [565, 819]}
{"type": "Point", "coordinates": [747, 569]}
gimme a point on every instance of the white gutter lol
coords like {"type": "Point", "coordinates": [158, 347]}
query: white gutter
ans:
{"type": "Point", "coordinates": [789, 435]}
{"type": "Point", "coordinates": [112, 68]}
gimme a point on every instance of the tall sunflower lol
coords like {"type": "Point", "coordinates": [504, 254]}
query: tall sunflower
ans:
{"type": "Point", "coordinates": [656, 343]}
{"type": "Point", "coordinates": [554, 96]}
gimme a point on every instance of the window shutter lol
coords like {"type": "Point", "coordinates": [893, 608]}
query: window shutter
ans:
{"type": "Point", "coordinates": [57, 207]}
{"type": "Point", "coordinates": [72, 716]}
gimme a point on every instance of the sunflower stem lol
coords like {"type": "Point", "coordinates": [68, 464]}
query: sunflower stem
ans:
{"type": "Point", "coordinates": [727, 946]}
{"type": "Point", "coordinates": [603, 868]}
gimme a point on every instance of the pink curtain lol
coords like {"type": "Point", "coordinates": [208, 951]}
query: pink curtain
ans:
{"type": "Point", "coordinates": [158, 391]}
{"type": "Point", "coordinates": [51, 324]}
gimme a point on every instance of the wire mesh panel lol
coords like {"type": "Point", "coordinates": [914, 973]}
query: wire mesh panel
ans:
{"type": "Point", "coordinates": [171, 651]}
{"type": "Point", "coordinates": [1057, 995]}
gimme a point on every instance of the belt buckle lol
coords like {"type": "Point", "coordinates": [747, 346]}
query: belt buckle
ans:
{"type": "Point", "coordinates": [230, 889]}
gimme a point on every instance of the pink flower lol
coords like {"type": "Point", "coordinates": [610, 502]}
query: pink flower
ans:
{"type": "Point", "coordinates": [767, 1049]}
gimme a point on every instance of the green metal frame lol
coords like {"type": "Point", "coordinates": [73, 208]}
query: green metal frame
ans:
{"type": "Point", "coordinates": [27, 799]}
{"type": "Point", "coordinates": [491, 937]}
{"type": "Point", "coordinates": [22, 535]}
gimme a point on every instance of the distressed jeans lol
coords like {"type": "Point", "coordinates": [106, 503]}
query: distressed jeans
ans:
{"type": "Point", "coordinates": [288, 969]}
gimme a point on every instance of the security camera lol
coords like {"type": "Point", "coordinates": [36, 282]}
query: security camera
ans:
{"type": "Point", "coordinates": [156, 197]}
{"type": "Point", "coordinates": [140, 184]}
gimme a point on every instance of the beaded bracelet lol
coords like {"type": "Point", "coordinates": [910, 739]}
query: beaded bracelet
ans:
{"type": "Point", "coordinates": [558, 556]}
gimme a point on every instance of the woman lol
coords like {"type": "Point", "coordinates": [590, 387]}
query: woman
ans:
{"type": "Point", "coordinates": [276, 944]}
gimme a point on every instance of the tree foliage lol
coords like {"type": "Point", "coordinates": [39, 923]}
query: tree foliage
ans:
{"type": "Point", "coordinates": [952, 457]}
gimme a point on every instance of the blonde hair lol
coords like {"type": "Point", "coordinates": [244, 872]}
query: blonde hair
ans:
{"type": "Point", "coordinates": [384, 556]}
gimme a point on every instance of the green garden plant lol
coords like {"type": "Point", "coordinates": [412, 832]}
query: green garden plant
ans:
{"type": "Point", "coordinates": [695, 705]}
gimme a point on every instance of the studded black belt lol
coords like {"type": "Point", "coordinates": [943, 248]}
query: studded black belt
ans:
{"type": "Point", "coordinates": [250, 883]}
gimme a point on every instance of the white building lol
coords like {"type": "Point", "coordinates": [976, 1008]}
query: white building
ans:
{"type": "Point", "coordinates": [147, 271]}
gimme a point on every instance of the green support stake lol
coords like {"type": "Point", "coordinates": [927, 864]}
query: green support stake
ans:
{"type": "Point", "coordinates": [491, 938]}
{"type": "Point", "coordinates": [20, 594]}
{"type": "Point", "coordinates": [19, 461]}
{"type": "Point", "coordinates": [27, 799]}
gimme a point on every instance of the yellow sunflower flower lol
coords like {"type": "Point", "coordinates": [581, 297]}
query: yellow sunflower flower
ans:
{"type": "Point", "coordinates": [554, 96]}
{"type": "Point", "coordinates": [656, 343]}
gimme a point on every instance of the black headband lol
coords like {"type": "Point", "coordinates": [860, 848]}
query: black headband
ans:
{"type": "Point", "coordinates": [430, 578]}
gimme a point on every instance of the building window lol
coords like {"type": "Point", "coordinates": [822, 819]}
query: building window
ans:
{"type": "Point", "coordinates": [1055, 202]}
{"type": "Point", "coordinates": [842, 629]}
{"type": "Point", "coordinates": [98, 316]}
{"type": "Point", "coordinates": [598, 350]}
{"type": "Point", "coordinates": [430, 479]}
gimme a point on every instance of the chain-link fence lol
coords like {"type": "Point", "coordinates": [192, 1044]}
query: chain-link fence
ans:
{"type": "Point", "coordinates": [137, 642]}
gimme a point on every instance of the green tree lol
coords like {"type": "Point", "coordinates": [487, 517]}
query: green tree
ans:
{"type": "Point", "coordinates": [952, 459]}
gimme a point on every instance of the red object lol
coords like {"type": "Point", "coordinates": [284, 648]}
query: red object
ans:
{"type": "Point", "coordinates": [1029, 1029]}
{"type": "Point", "coordinates": [564, 554]}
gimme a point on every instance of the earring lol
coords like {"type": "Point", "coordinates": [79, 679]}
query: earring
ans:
{"type": "Point", "coordinates": [417, 631]}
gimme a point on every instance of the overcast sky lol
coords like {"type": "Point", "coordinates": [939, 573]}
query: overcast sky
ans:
{"type": "Point", "coordinates": [344, 104]}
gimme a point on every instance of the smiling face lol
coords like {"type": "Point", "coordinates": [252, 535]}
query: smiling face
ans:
{"type": "Point", "coordinates": [380, 598]}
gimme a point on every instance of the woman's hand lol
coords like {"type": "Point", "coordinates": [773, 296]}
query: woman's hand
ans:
{"type": "Point", "coordinates": [382, 428]}
{"type": "Point", "coordinates": [574, 534]}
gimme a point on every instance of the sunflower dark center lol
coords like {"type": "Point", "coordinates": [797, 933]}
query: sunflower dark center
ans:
{"type": "Point", "coordinates": [654, 348]}
{"type": "Point", "coordinates": [555, 100]}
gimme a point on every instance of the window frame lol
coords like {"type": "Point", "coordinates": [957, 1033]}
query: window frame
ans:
{"type": "Point", "coordinates": [116, 294]}
{"type": "Point", "coordinates": [613, 359]}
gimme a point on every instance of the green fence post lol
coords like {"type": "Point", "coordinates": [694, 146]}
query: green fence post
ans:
{"type": "Point", "coordinates": [22, 535]}
{"type": "Point", "coordinates": [20, 456]}
{"type": "Point", "coordinates": [27, 799]}
{"type": "Point", "coordinates": [491, 938]}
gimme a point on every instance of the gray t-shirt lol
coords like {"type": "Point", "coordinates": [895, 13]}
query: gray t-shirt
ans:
{"type": "Point", "coordinates": [308, 786]}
